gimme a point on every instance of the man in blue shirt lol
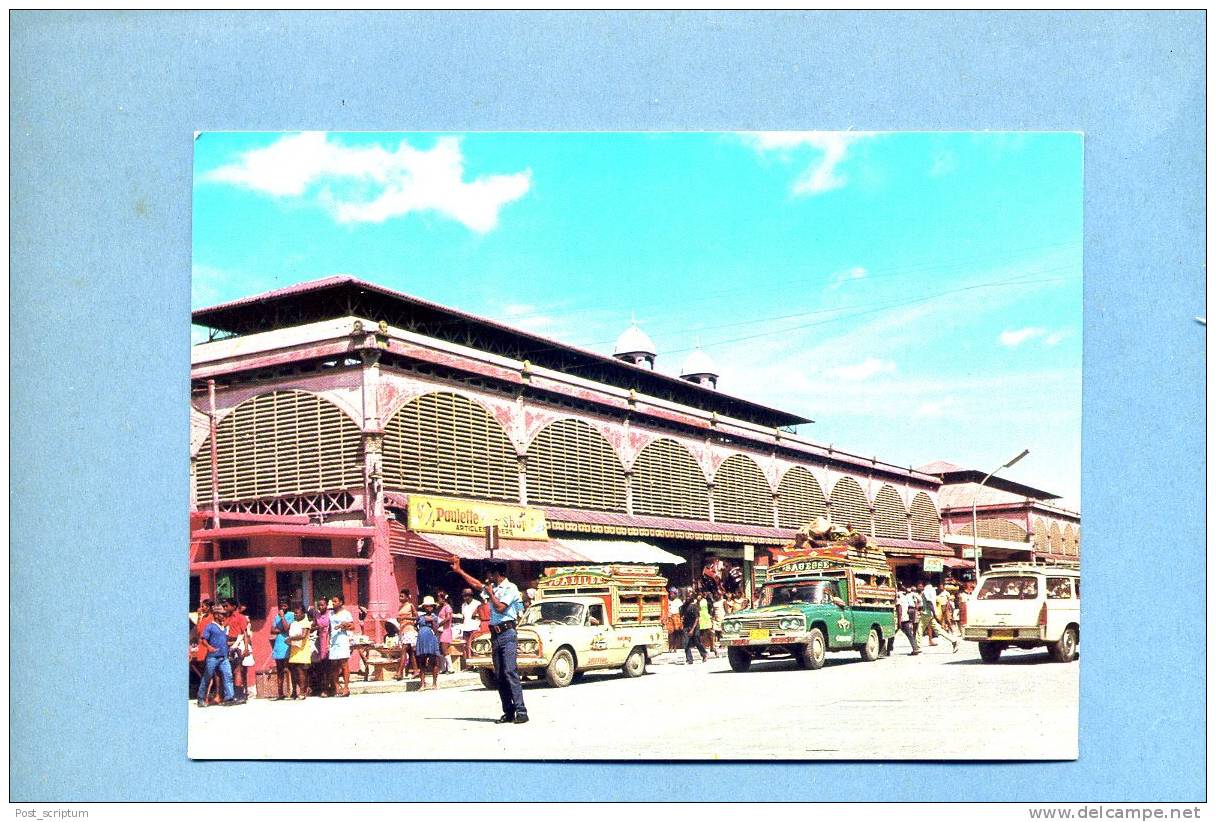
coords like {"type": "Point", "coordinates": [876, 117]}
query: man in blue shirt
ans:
{"type": "Point", "coordinates": [215, 639]}
{"type": "Point", "coordinates": [506, 606]}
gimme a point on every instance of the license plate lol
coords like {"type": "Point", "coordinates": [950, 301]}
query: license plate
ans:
{"type": "Point", "coordinates": [1002, 635]}
{"type": "Point", "coordinates": [758, 633]}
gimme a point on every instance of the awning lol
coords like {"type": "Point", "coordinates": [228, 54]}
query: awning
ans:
{"type": "Point", "coordinates": [955, 562]}
{"type": "Point", "coordinates": [579, 521]}
{"type": "Point", "coordinates": [508, 550]}
{"type": "Point", "coordinates": [614, 550]}
{"type": "Point", "coordinates": [914, 547]}
{"type": "Point", "coordinates": [405, 543]}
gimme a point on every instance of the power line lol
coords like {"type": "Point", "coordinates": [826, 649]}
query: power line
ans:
{"type": "Point", "coordinates": [866, 309]}
{"type": "Point", "coordinates": [905, 270]}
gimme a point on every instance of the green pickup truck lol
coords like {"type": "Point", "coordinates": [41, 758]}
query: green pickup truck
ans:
{"type": "Point", "coordinates": [814, 603]}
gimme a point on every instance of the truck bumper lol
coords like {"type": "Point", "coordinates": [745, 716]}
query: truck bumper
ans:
{"type": "Point", "coordinates": [737, 642]}
{"type": "Point", "coordinates": [1003, 634]}
{"type": "Point", "coordinates": [523, 663]}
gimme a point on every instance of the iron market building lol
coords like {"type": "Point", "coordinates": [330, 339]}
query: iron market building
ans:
{"type": "Point", "coordinates": [348, 438]}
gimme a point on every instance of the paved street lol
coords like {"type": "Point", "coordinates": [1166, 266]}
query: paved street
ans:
{"type": "Point", "coordinates": [1025, 707]}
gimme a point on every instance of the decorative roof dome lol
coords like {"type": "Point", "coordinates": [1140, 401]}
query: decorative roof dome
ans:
{"type": "Point", "coordinates": [698, 363]}
{"type": "Point", "coordinates": [634, 341]}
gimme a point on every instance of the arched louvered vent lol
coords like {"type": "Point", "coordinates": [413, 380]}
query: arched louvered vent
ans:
{"type": "Point", "coordinates": [741, 493]}
{"type": "Point", "coordinates": [444, 443]}
{"type": "Point", "coordinates": [926, 523]}
{"type": "Point", "coordinates": [801, 498]}
{"type": "Point", "coordinates": [570, 463]}
{"type": "Point", "coordinates": [283, 442]}
{"type": "Point", "coordinates": [998, 529]}
{"type": "Point", "coordinates": [849, 505]}
{"type": "Point", "coordinates": [1040, 540]}
{"type": "Point", "coordinates": [1055, 539]}
{"type": "Point", "coordinates": [1070, 540]}
{"type": "Point", "coordinates": [668, 482]}
{"type": "Point", "coordinates": [890, 517]}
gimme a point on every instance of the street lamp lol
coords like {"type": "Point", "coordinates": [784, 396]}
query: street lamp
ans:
{"type": "Point", "coordinates": [975, 531]}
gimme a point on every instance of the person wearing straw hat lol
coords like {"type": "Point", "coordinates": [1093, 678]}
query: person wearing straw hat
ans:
{"type": "Point", "coordinates": [428, 644]}
{"type": "Point", "coordinates": [506, 606]}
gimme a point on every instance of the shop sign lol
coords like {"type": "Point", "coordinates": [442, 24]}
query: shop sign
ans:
{"type": "Point", "coordinates": [576, 580]}
{"type": "Point", "coordinates": [933, 564]}
{"type": "Point", "coordinates": [441, 515]}
{"type": "Point", "coordinates": [802, 566]}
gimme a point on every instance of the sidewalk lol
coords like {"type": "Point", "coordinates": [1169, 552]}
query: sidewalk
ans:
{"type": "Point", "coordinates": [460, 679]}
{"type": "Point", "coordinates": [456, 679]}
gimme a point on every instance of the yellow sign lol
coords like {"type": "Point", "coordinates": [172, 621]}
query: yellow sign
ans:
{"type": "Point", "coordinates": [441, 515]}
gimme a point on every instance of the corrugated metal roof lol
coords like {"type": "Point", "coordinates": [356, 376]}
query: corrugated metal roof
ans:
{"type": "Point", "coordinates": [510, 550]}
{"type": "Point", "coordinates": [405, 543]}
{"type": "Point", "coordinates": [913, 546]}
{"type": "Point", "coordinates": [212, 317]}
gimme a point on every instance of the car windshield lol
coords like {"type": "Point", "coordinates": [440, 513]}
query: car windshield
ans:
{"type": "Point", "coordinates": [562, 613]}
{"type": "Point", "coordinates": [1009, 588]}
{"type": "Point", "coordinates": [811, 593]}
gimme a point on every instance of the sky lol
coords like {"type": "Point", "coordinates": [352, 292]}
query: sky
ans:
{"type": "Point", "coordinates": [918, 295]}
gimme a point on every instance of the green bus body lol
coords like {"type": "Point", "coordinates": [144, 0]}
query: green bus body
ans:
{"type": "Point", "coordinates": [864, 605]}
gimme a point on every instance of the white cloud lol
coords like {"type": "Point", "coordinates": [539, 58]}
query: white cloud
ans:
{"type": "Point", "coordinates": [372, 184]}
{"type": "Point", "coordinates": [934, 408]}
{"type": "Point", "coordinates": [1013, 338]}
{"type": "Point", "coordinates": [860, 371]}
{"type": "Point", "coordinates": [832, 146]}
{"type": "Point", "coordinates": [845, 275]}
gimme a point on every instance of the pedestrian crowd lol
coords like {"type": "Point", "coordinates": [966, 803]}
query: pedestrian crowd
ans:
{"type": "Point", "coordinates": [927, 614]}
{"type": "Point", "coordinates": [424, 633]}
{"type": "Point", "coordinates": [311, 649]}
{"type": "Point", "coordinates": [695, 620]}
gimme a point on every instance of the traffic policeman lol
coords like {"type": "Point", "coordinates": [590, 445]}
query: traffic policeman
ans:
{"type": "Point", "coordinates": [506, 606]}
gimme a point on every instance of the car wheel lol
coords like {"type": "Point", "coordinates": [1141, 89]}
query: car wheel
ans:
{"type": "Point", "coordinates": [740, 660]}
{"type": "Point", "coordinates": [488, 680]}
{"type": "Point", "coordinates": [635, 663]}
{"type": "Point", "coordinates": [1065, 650]}
{"type": "Point", "coordinates": [870, 651]}
{"type": "Point", "coordinates": [990, 652]}
{"type": "Point", "coordinates": [560, 672]}
{"type": "Point", "coordinates": [814, 653]}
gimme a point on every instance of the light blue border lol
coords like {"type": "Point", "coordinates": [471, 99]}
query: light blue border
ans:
{"type": "Point", "coordinates": [103, 110]}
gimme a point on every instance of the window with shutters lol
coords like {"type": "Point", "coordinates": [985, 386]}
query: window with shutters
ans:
{"type": "Point", "coordinates": [741, 493]}
{"type": "Point", "coordinates": [284, 442]}
{"type": "Point", "coordinates": [849, 505]}
{"type": "Point", "coordinates": [444, 443]}
{"type": "Point", "coordinates": [926, 523]}
{"type": "Point", "coordinates": [890, 517]}
{"type": "Point", "coordinates": [570, 463]}
{"type": "Point", "coordinates": [998, 529]}
{"type": "Point", "coordinates": [668, 482]}
{"type": "Point", "coordinates": [801, 499]}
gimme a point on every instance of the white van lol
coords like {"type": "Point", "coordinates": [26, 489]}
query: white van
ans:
{"type": "Point", "coordinates": [1026, 605]}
